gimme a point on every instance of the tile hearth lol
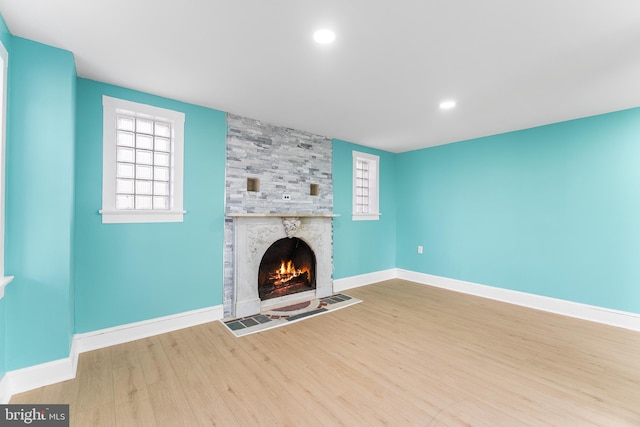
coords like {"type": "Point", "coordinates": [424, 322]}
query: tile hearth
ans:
{"type": "Point", "coordinates": [281, 316]}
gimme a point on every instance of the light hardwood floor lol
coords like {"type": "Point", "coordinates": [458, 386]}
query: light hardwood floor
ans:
{"type": "Point", "coordinates": [409, 355]}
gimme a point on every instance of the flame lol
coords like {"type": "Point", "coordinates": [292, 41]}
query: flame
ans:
{"type": "Point", "coordinates": [286, 272]}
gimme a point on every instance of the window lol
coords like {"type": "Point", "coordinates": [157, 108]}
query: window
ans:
{"type": "Point", "coordinates": [4, 61]}
{"type": "Point", "coordinates": [142, 164]}
{"type": "Point", "coordinates": [365, 186]}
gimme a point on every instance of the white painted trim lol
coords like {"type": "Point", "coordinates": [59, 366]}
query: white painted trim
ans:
{"type": "Point", "coordinates": [607, 316]}
{"type": "Point", "coordinates": [37, 376]}
{"type": "Point", "coordinates": [365, 217]}
{"type": "Point", "coordinates": [5, 394]}
{"type": "Point", "coordinates": [60, 370]}
{"type": "Point", "coordinates": [4, 64]}
{"type": "Point", "coordinates": [374, 186]}
{"type": "Point", "coordinates": [131, 216]}
{"type": "Point", "coordinates": [4, 281]}
{"type": "Point", "coordinates": [111, 107]}
{"type": "Point", "coordinates": [147, 328]}
{"type": "Point", "coordinates": [33, 377]}
{"type": "Point", "coordinates": [343, 284]}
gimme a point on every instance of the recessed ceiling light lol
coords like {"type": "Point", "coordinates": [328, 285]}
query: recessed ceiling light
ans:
{"type": "Point", "coordinates": [324, 36]}
{"type": "Point", "coordinates": [447, 105]}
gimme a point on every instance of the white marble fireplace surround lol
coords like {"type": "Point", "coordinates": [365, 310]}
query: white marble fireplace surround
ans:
{"type": "Point", "coordinates": [254, 233]}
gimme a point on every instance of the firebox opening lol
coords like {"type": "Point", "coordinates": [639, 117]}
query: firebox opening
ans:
{"type": "Point", "coordinates": [288, 267]}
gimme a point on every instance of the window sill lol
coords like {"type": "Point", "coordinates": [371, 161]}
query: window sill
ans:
{"type": "Point", "coordinates": [123, 217]}
{"type": "Point", "coordinates": [4, 281]}
{"type": "Point", "coordinates": [366, 217]}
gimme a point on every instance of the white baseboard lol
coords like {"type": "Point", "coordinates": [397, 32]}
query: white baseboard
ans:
{"type": "Point", "coordinates": [5, 393]}
{"type": "Point", "coordinates": [33, 377]}
{"type": "Point", "coordinates": [147, 328]}
{"type": "Point", "coordinates": [64, 369]}
{"type": "Point", "coordinates": [621, 319]}
{"type": "Point", "coordinates": [340, 285]}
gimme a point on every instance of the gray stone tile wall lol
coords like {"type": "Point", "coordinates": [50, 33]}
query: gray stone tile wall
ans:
{"type": "Point", "coordinates": [286, 161]}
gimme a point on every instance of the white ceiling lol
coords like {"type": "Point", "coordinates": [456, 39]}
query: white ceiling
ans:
{"type": "Point", "coordinates": [509, 64]}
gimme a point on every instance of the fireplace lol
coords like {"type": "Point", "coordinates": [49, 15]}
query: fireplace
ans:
{"type": "Point", "coordinates": [280, 259]}
{"type": "Point", "coordinates": [288, 267]}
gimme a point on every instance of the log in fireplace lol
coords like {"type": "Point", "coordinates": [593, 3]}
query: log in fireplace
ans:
{"type": "Point", "coordinates": [287, 267]}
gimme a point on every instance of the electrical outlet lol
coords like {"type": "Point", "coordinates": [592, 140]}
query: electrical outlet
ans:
{"type": "Point", "coordinates": [420, 248]}
{"type": "Point", "coordinates": [286, 197]}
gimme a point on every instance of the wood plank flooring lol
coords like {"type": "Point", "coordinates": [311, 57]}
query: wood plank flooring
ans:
{"type": "Point", "coordinates": [408, 355]}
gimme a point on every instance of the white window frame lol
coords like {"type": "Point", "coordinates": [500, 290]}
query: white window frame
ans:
{"type": "Point", "coordinates": [374, 187]}
{"type": "Point", "coordinates": [111, 215]}
{"type": "Point", "coordinates": [4, 67]}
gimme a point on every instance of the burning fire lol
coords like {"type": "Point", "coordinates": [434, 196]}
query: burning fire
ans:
{"type": "Point", "coordinates": [285, 273]}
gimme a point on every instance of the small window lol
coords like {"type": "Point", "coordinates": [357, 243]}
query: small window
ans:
{"type": "Point", "coordinates": [365, 186]}
{"type": "Point", "coordinates": [142, 163]}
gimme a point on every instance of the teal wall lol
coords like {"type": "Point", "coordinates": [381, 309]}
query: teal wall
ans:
{"type": "Point", "coordinates": [551, 210]}
{"type": "Point", "coordinates": [5, 38]}
{"type": "Point", "coordinates": [39, 203]}
{"type": "Point", "coordinates": [362, 246]}
{"type": "Point", "coordinates": [132, 272]}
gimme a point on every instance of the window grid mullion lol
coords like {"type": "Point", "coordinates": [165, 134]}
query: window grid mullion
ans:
{"type": "Point", "coordinates": [135, 163]}
{"type": "Point", "coordinates": [362, 184]}
{"type": "Point", "coordinates": [153, 180]}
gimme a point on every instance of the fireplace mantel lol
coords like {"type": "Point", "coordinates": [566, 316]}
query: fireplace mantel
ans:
{"type": "Point", "coordinates": [254, 233]}
{"type": "Point", "coordinates": [281, 215]}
